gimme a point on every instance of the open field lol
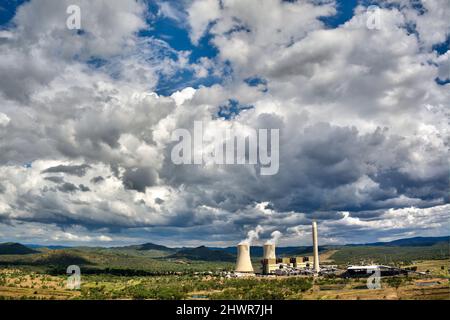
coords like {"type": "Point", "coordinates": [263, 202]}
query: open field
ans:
{"type": "Point", "coordinates": [108, 261]}
{"type": "Point", "coordinates": [25, 284]}
{"type": "Point", "coordinates": [154, 272]}
{"type": "Point", "coordinates": [22, 285]}
{"type": "Point", "coordinates": [390, 254]}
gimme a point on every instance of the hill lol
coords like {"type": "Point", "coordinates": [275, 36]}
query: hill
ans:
{"type": "Point", "coordinates": [204, 254]}
{"type": "Point", "coordinates": [61, 258]}
{"type": "Point", "coordinates": [390, 254]}
{"type": "Point", "coordinates": [38, 246]}
{"type": "Point", "coordinates": [412, 242]}
{"type": "Point", "coordinates": [147, 246]}
{"type": "Point", "coordinates": [15, 248]}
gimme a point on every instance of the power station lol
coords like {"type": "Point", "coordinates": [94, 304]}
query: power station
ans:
{"type": "Point", "coordinates": [302, 265]}
{"type": "Point", "coordinates": [273, 265]}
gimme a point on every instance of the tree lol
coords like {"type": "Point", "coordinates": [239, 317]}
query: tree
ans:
{"type": "Point", "coordinates": [395, 282]}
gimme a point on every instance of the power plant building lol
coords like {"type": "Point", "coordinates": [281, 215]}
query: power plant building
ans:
{"type": "Point", "coordinates": [269, 262]}
{"type": "Point", "coordinates": [303, 265]}
{"type": "Point", "coordinates": [273, 265]}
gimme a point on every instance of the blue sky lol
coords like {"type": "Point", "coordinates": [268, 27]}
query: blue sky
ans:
{"type": "Point", "coordinates": [177, 36]}
{"type": "Point", "coordinates": [175, 33]}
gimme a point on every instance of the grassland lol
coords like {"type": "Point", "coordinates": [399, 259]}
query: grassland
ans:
{"type": "Point", "coordinates": [133, 273]}
{"type": "Point", "coordinates": [20, 284]}
{"type": "Point", "coordinates": [119, 262]}
{"type": "Point", "coordinates": [389, 254]}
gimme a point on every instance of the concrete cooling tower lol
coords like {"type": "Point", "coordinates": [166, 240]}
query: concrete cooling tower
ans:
{"type": "Point", "coordinates": [243, 263]}
{"type": "Point", "coordinates": [269, 251]}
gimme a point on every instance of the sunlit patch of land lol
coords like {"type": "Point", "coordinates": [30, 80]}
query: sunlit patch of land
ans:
{"type": "Point", "coordinates": [24, 284]}
{"type": "Point", "coordinates": [135, 273]}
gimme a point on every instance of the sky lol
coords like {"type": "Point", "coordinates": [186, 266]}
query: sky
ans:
{"type": "Point", "coordinates": [86, 118]}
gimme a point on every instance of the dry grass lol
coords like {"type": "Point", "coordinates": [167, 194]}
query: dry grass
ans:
{"type": "Point", "coordinates": [19, 284]}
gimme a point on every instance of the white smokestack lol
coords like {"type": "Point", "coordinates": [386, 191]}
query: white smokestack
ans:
{"type": "Point", "coordinates": [243, 263]}
{"type": "Point", "coordinates": [315, 247]}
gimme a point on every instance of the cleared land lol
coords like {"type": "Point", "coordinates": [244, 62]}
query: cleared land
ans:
{"type": "Point", "coordinates": [148, 272]}
{"type": "Point", "coordinates": [18, 284]}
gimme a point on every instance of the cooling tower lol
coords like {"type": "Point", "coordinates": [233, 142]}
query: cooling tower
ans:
{"type": "Point", "coordinates": [269, 251]}
{"type": "Point", "coordinates": [315, 247]}
{"type": "Point", "coordinates": [243, 263]}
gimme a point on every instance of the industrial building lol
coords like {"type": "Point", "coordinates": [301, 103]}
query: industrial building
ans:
{"type": "Point", "coordinates": [365, 271]}
{"type": "Point", "coordinates": [272, 265]}
{"type": "Point", "coordinates": [303, 265]}
{"type": "Point", "coordinates": [291, 265]}
{"type": "Point", "coordinates": [269, 261]}
{"type": "Point", "coordinates": [269, 266]}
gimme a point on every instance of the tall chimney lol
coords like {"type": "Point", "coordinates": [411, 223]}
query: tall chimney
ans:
{"type": "Point", "coordinates": [243, 264]}
{"type": "Point", "coordinates": [315, 247]}
{"type": "Point", "coordinates": [269, 251]}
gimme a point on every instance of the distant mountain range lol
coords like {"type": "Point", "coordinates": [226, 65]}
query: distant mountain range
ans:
{"type": "Point", "coordinates": [227, 253]}
{"type": "Point", "coordinates": [15, 248]}
{"type": "Point", "coordinates": [203, 253]}
{"type": "Point", "coordinates": [411, 242]}
{"type": "Point", "coordinates": [147, 246]}
{"type": "Point", "coordinates": [38, 246]}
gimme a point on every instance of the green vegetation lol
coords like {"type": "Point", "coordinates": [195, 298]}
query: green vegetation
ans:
{"type": "Point", "coordinates": [394, 282]}
{"type": "Point", "coordinates": [390, 255]}
{"type": "Point", "coordinates": [109, 261]}
{"type": "Point", "coordinates": [204, 254]}
{"type": "Point", "coordinates": [184, 287]}
{"type": "Point", "coordinates": [155, 272]}
{"type": "Point", "coordinates": [256, 289]}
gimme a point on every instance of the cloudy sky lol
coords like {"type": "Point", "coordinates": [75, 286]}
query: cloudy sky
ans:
{"type": "Point", "coordinates": [86, 118]}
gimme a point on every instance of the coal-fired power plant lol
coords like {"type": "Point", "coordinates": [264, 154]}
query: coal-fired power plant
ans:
{"type": "Point", "coordinates": [244, 264]}
{"type": "Point", "coordinates": [271, 265]}
{"type": "Point", "coordinates": [269, 251]}
{"type": "Point", "coordinates": [316, 266]}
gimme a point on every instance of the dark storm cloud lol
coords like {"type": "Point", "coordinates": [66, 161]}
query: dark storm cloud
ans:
{"type": "Point", "coordinates": [97, 179]}
{"type": "Point", "coordinates": [83, 188]}
{"type": "Point", "coordinates": [68, 187]}
{"type": "Point", "coordinates": [55, 179]}
{"type": "Point", "coordinates": [76, 170]}
{"type": "Point", "coordinates": [321, 169]}
{"type": "Point", "coordinates": [2, 188]}
{"type": "Point", "coordinates": [426, 188]}
{"type": "Point", "coordinates": [139, 178]}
